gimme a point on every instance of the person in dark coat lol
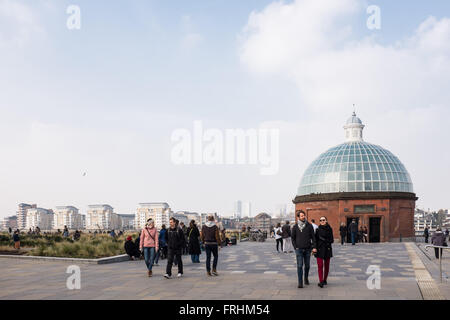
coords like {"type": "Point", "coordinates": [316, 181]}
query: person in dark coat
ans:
{"type": "Point", "coordinates": [175, 242]}
{"type": "Point", "coordinates": [286, 235]}
{"type": "Point", "coordinates": [131, 250]}
{"type": "Point", "coordinates": [353, 228]}
{"type": "Point", "coordinates": [343, 233]}
{"type": "Point", "coordinates": [324, 239]}
{"type": "Point", "coordinates": [438, 239]}
{"type": "Point", "coordinates": [193, 242]}
{"type": "Point", "coordinates": [426, 234]}
{"type": "Point", "coordinates": [304, 242]}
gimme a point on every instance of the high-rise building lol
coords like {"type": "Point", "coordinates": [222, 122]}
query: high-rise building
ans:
{"type": "Point", "coordinates": [22, 214]}
{"type": "Point", "coordinates": [102, 217]}
{"type": "Point", "coordinates": [238, 209]}
{"type": "Point", "coordinates": [67, 216]}
{"type": "Point", "coordinates": [39, 217]}
{"type": "Point", "coordinates": [246, 209]}
{"type": "Point", "coordinates": [160, 212]}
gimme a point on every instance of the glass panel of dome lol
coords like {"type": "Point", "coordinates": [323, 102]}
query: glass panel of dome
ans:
{"type": "Point", "coordinates": [375, 176]}
{"type": "Point", "coordinates": [359, 186]}
{"type": "Point", "coordinates": [370, 157]}
{"type": "Point", "coordinates": [368, 186]}
{"type": "Point", "coordinates": [383, 186]}
{"type": "Point", "coordinates": [351, 176]}
{"type": "Point", "coordinates": [352, 158]}
{"type": "Point", "coordinates": [351, 186]}
{"type": "Point", "coordinates": [382, 176]}
{"type": "Point", "coordinates": [366, 166]}
{"type": "Point", "coordinates": [344, 166]}
{"type": "Point", "coordinates": [376, 186]}
{"type": "Point", "coordinates": [367, 176]}
{"type": "Point", "coordinates": [343, 175]}
{"type": "Point", "coordinates": [359, 176]}
{"type": "Point", "coordinates": [373, 166]}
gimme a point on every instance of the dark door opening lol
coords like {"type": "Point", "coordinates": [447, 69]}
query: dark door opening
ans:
{"type": "Point", "coordinates": [349, 236]}
{"type": "Point", "coordinates": [374, 229]}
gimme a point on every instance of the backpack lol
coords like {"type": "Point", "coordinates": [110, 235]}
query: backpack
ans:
{"type": "Point", "coordinates": [279, 232]}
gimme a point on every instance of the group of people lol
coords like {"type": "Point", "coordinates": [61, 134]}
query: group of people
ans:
{"type": "Point", "coordinates": [307, 238]}
{"type": "Point", "coordinates": [173, 242]}
{"type": "Point", "coordinates": [356, 235]}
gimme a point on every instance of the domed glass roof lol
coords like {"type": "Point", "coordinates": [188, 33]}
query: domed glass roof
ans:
{"type": "Point", "coordinates": [355, 166]}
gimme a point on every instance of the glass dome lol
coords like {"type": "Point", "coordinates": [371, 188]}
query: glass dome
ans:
{"type": "Point", "coordinates": [355, 166]}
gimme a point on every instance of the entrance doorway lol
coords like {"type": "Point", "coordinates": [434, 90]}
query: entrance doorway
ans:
{"type": "Point", "coordinates": [349, 220]}
{"type": "Point", "coordinates": [374, 229]}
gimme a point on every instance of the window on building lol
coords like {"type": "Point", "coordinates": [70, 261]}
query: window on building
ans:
{"type": "Point", "coordinates": [367, 208]}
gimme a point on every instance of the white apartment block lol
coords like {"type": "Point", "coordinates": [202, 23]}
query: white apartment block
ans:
{"type": "Point", "coordinates": [67, 216]}
{"type": "Point", "coordinates": [39, 217]}
{"type": "Point", "coordinates": [182, 217]}
{"type": "Point", "coordinates": [160, 212]}
{"type": "Point", "coordinates": [22, 214]}
{"type": "Point", "coordinates": [102, 217]}
{"type": "Point", "coordinates": [9, 222]}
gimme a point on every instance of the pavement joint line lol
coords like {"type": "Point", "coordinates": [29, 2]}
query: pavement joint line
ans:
{"type": "Point", "coordinates": [427, 286]}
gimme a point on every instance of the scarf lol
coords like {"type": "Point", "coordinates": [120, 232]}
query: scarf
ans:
{"type": "Point", "coordinates": [301, 225]}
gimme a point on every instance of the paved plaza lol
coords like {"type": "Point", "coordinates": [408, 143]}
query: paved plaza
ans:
{"type": "Point", "coordinates": [250, 270]}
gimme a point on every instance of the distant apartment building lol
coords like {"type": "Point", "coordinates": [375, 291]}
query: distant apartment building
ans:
{"type": "Point", "coordinates": [22, 214]}
{"type": "Point", "coordinates": [67, 216]}
{"type": "Point", "coordinates": [193, 216]}
{"type": "Point", "coordinates": [102, 217]}
{"type": "Point", "coordinates": [160, 212]}
{"type": "Point", "coordinates": [127, 221]}
{"type": "Point", "coordinates": [247, 209]}
{"type": "Point", "coordinates": [9, 222]}
{"type": "Point", "coordinates": [238, 209]}
{"type": "Point", "coordinates": [39, 217]}
{"type": "Point", "coordinates": [181, 217]}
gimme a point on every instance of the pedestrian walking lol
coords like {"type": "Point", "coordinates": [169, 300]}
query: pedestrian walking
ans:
{"type": "Point", "coordinates": [353, 228]}
{"type": "Point", "coordinates": [184, 228]}
{"type": "Point", "coordinates": [278, 237]}
{"type": "Point", "coordinates": [16, 239]}
{"type": "Point", "coordinates": [193, 242]}
{"type": "Point", "coordinates": [162, 242]}
{"type": "Point", "coordinates": [366, 234]}
{"type": "Point", "coordinates": [343, 233]}
{"type": "Point", "coordinates": [324, 239]}
{"type": "Point", "coordinates": [438, 239]}
{"type": "Point", "coordinates": [426, 234]}
{"type": "Point", "coordinates": [175, 242]}
{"type": "Point", "coordinates": [304, 243]}
{"type": "Point", "coordinates": [66, 232]}
{"type": "Point", "coordinates": [286, 235]}
{"type": "Point", "coordinates": [211, 238]}
{"type": "Point", "coordinates": [149, 244]}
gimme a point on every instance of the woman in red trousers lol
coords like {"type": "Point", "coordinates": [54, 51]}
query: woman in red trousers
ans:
{"type": "Point", "coordinates": [324, 239]}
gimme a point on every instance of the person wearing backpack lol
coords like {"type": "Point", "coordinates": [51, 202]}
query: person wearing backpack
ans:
{"type": "Point", "coordinates": [278, 237]}
{"type": "Point", "coordinates": [149, 244]}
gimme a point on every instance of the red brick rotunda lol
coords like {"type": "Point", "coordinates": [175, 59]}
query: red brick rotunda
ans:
{"type": "Point", "coordinates": [362, 181]}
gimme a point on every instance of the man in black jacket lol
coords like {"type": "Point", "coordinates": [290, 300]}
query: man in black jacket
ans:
{"type": "Point", "coordinates": [175, 243]}
{"type": "Point", "coordinates": [304, 242]}
{"type": "Point", "coordinates": [353, 231]}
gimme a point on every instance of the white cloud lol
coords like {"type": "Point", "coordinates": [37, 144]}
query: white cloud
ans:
{"type": "Point", "coordinates": [18, 23]}
{"type": "Point", "coordinates": [191, 39]}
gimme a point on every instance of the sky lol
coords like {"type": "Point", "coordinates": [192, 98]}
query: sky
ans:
{"type": "Point", "coordinates": [87, 115]}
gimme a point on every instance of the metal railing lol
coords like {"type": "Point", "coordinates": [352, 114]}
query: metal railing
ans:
{"type": "Point", "coordinates": [440, 256]}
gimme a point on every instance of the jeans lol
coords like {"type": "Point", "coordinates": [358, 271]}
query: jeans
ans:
{"type": "Point", "coordinates": [171, 255]}
{"type": "Point", "coordinates": [149, 256]}
{"type": "Point", "coordinates": [214, 248]}
{"type": "Point", "coordinates": [280, 242]}
{"type": "Point", "coordinates": [323, 266]}
{"type": "Point", "coordinates": [303, 257]}
{"type": "Point", "coordinates": [353, 235]}
{"type": "Point", "coordinates": [342, 239]}
{"type": "Point", "coordinates": [195, 258]}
